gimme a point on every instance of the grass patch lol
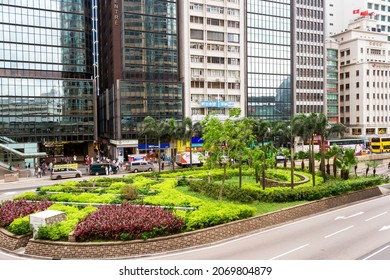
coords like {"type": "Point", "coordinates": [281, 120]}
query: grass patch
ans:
{"type": "Point", "coordinates": [261, 207]}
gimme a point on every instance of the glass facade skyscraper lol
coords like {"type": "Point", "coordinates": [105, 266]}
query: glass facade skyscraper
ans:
{"type": "Point", "coordinates": [138, 69]}
{"type": "Point", "coordinates": [269, 56]}
{"type": "Point", "coordinates": [46, 88]}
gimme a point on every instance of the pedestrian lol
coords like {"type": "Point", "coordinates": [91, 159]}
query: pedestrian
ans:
{"type": "Point", "coordinates": [106, 170]}
{"type": "Point", "coordinates": [39, 172]}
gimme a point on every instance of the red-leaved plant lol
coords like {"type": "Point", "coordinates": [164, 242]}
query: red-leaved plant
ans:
{"type": "Point", "coordinates": [13, 209]}
{"type": "Point", "coordinates": [127, 221]}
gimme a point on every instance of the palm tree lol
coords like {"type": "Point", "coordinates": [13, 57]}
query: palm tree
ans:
{"type": "Point", "coordinates": [187, 131]}
{"type": "Point", "coordinates": [173, 133]}
{"type": "Point", "coordinates": [157, 130]}
{"type": "Point", "coordinates": [324, 129]}
{"type": "Point", "coordinates": [345, 160]}
{"type": "Point", "coordinates": [286, 131]}
{"type": "Point", "coordinates": [262, 130]}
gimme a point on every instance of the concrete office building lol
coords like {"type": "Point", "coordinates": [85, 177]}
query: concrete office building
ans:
{"type": "Point", "coordinates": [309, 58]}
{"type": "Point", "coordinates": [138, 70]}
{"type": "Point", "coordinates": [341, 13]}
{"type": "Point", "coordinates": [212, 57]}
{"type": "Point", "coordinates": [364, 78]}
{"type": "Point", "coordinates": [46, 90]}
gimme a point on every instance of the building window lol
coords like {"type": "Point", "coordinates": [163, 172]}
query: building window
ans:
{"type": "Point", "coordinates": [196, 34]}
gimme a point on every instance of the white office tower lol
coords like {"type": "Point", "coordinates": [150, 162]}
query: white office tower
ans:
{"type": "Point", "coordinates": [310, 40]}
{"type": "Point", "coordinates": [212, 57]}
{"type": "Point", "coordinates": [339, 13]}
{"type": "Point", "coordinates": [364, 78]}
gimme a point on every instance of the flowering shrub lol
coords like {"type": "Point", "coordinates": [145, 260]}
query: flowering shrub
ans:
{"type": "Point", "coordinates": [13, 209]}
{"type": "Point", "coordinates": [126, 221]}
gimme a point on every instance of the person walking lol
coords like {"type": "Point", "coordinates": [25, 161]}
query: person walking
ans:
{"type": "Point", "coordinates": [39, 172]}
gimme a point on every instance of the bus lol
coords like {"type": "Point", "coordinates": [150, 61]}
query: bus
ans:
{"type": "Point", "coordinates": [360, 145]}
{"type": "Point", "coordinates": [380, 144]}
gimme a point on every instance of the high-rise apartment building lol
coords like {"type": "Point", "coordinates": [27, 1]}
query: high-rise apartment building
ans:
{"type": "Point", "coordinates": [212, 57]}
{"type": "Point", "coordinates": [310, 57]}
{"type": "Point", "coordinates": [269, 29]}
{"type": "Point", "coordinates": [46, 90]}
{"type": "Point", "coordinates": [139, 71]}
{"type": "Point", "coordinates": [364, 78]}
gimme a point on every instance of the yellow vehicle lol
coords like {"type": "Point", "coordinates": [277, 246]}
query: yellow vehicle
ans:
{"type": "Point", "coordinates": [380, 145]}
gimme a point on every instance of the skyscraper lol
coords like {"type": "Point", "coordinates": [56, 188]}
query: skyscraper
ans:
{"type": "Point", "coordinates": [309, 58]}
{"type": "Point", "coordinates": [46, 91]}
{"type": "Point", "coordinates": [212, 57]}
{"type": "Point", "coordinates": [269, 56]}
{"type": "Point", "coordinates": [138, 69]}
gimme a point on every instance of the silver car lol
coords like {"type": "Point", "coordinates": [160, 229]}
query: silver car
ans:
{"type": "Point", "coordinates": [141, 165]}
{"type": "Point", "coordinates": [65, 172]}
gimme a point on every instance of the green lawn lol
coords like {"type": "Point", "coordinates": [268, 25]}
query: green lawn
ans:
{"type": "Point", "coordinates": [261, 207]}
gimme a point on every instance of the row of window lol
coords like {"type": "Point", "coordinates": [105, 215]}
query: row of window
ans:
{"type": "Point", "coordinates": [199, 72]}
{"type": "Point", "coordinates": [216, 60]}
{"type": "Point", "coordinates": [214, 36]}
{"type": "Point", "coordinates": [214, 47]}
{"type": "Point", "coordinates": [214, 9]}
{"type": "Point", "coordinates": [313, 3]}
{"type": "Point", "coordinates": [374, 84]}
{"type": "Point", "coordinates": [215, 85]}
{"type": "Point", "coordinates": [306, 109]}
{"type": "Point", "coordinates": [304, 96]}
{"type": "Point", "coordinates": [310, 25]}
{"type": "Point", "coordinates": [215, 22]}
{"type": "Point", "coordinates": [310, 13]}
{"type": "Point", "coordinates": [305, 48]}
{"type": "Point", "coordinates": [307, 72]}
{"type": "Point", "coordinates": [310, 37]}
{"type": "Point", "coordinates": [347, 120]}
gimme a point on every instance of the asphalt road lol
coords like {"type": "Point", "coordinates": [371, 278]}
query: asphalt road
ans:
{"type": "Point", "coordinates": [359, 231]}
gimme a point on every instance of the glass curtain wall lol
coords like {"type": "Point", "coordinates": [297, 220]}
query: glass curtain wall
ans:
{"type": "Point", "coordinates": [269, 59]}
{"type": "Point", "coordinates": [46, 91]}
{"type": "Point", "coordinates": [150, 65]}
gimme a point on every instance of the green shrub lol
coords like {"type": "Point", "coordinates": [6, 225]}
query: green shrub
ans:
{"type": "Point", "coordinates": [61, 230]}
{"type": "Point", "coordinates": [28, 196]}
{"type": "Point", "coordinates": [20, 226]}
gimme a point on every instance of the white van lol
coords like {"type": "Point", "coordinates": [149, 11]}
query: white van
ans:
{"type": "Point", "coordinates": [140, 166]}
{"type": "Point", "coordinates": [65, 172]}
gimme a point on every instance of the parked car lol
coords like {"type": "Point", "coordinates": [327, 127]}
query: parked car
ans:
{"type": "Point", "coordinates": [280, 158]}
{"type": "Point", "coordinates": [140, 166]}
{"type": "Point", "coordinates": [65, 172]}
{"type": "Point", "coordinates": [100, 168]}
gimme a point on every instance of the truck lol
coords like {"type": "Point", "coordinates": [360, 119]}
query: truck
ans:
{"type": "Point", "coordinates": [183, 159]}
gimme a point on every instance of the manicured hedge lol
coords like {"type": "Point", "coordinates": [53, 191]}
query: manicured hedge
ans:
{"type": "Point", "coordinates": [305, 192]}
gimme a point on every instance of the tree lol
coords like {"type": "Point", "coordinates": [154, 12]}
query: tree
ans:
{"type": "Point", "coordinates": [156, 130]}
{"type": "Point", "coordinates": [345, 160]}
{"type": "Point", "coordinates": [214, 136]}
{"type": "Point", "coordinates": [324, 129]}
{"type": "Point", "coordinates": [288, 131]}
{"type": "Point", "coordinates": [173, 134]}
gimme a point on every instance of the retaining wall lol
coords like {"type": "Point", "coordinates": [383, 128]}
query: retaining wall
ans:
{"type": "Point", "coordinates": [103, 250]}
{"type": "Point", "coordinates": [11, 241]}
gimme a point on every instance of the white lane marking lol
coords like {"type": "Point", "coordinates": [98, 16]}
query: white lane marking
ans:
{"type": "Point", "coordinates": [8, 193]}
{"type": "Point", "coordinates": [385, 228]}
{"type": "Point", "coordinates": [344, 218]}
{"type": "Point", "coordinates": [337, 232]}
{"type": "Point", "coordinates": [296, 249]}
{"type": "Point", "coordinates": [369, 219]}
{"type": "Point", "coordinates": [263, 231]}
{"type": "Point", "coordinates": [376, 253]}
